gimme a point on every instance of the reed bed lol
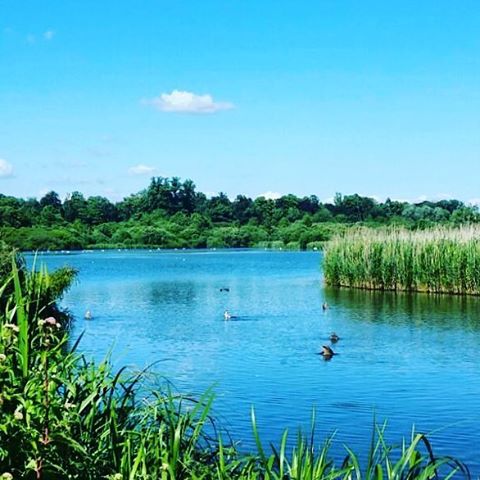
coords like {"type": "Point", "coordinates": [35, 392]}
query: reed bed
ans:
{"type": "Point", "coordinates": [64, 417]}
{"type": "Point", "coordinates": [439, 260]}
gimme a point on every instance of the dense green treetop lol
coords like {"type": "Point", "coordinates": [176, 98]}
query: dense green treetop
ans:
{"type": "Point", "coordinates": [170, 213]}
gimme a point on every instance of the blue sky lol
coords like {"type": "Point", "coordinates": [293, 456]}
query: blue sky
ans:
{"type": "Point", "coordinates": [380, 98]}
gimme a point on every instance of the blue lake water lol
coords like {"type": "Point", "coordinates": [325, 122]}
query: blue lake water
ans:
{"type": "Point", "coordinates": [411, 359]}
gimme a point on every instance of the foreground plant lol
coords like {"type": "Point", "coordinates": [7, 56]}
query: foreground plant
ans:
{"type": "Point", "coordinates": [63, 417]}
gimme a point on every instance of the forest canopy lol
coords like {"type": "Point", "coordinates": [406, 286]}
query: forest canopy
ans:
{"type": "Point", "coordinates": [171, 213]}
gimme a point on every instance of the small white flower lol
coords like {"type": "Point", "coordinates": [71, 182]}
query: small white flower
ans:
{"type": "Point", "coordinates": [12, 326]}
{"type": "Point", "coordinates": [18, 415]}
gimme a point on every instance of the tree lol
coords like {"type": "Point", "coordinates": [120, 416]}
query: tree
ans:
{"type": "Point", "coordinates": [50, 216]}
{"type": "Point", "coordinates": [188, 196]}
{"type": "Point", "coordinates": [74, 207]}
{"type": "Point", "coordinates": [309, 204]}
{"type": "Point", "coordinates": [99, 210]}
{"type": "Point", "coordinates": [157, 195]}
{"type": "Point", "coordinates": [263, 212]}
{"type": "Point", "coordinates": [220, 208]}
{"type": "Point", "coordinates": [242, 206]}
{"type": "Point", "coordinates": [355, 207]}
{"type": "Point", "coordinates": [51, 199]}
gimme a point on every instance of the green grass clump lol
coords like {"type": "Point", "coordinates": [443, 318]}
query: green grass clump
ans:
{"type": "Point", "coordinates": [439, 260]}
{"type": "Point", "coordinates": [64, 417]}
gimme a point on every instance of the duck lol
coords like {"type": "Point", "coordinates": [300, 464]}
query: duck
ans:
{"type": "Point", "coordinates": [325, 306]}
{"type": "Point", "coordinates": [334, 338]}
{"type": "Point", "coordinates": [226, 315]}
{"type": "Point", "coordinates": [88, 315]}
{"type": "Point", "coordinates": [225, 289]}
{"type": "Point", "coordinates": [327, 352]}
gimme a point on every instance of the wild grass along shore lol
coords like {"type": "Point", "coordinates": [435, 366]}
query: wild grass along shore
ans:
{"type": "Point", "coordinates": [438, 260]}
{"type": "Point", "coordinates": [64, 417]}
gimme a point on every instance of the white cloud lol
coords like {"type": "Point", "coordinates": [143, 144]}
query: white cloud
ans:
{"type": "Point", "coordinates": [187, 102]}
{"type": "Point", "coordinates": [141, 169]}
{"type": "Point", "coordinates": [474, 201]}
{"type": "Point", "coordinates": [443, 196]}
{"type": "Point", "coordinates": [48, 35]}
{"type": "Point", "coordinates": [271, 195]}
{"type": "Point", "coordinates": [6, 169]}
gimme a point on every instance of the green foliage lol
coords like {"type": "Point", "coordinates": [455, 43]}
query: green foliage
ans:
{"type": "Point", "coordinates": [39, 289]}
{"type": "Point", "coordinates": [6, 256]}
{"type": "Point", "coordinates": [62, 416]}
{"type": "Point", "coordinates": [170, 213]}
{"type": "Point", "coordinates": [43, 238]}
{"type": "Point", "coordinates": [439, 260]}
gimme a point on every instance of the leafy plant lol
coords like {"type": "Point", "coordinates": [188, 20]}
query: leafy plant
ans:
{"type": "Point", "coordinates": [65, 417]}
{"type": "Point", "coordinates": [438, 260]}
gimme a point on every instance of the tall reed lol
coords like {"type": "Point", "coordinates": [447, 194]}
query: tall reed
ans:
{"type": "Point", "coordinates": [64, 417]}
{"type": "Point", "coordinates": [439, 260]}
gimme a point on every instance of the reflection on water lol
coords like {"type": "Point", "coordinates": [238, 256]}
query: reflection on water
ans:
{"type": "Point", "coordinates": [410, 358]}
{"type": "Point", "coordinates": [171, 294]}
{"type": "Point", "coordinates": [419, 309]}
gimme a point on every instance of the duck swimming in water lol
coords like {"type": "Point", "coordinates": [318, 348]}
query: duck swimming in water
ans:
{"type": "Point", "coordinates": [225, 289]}
{"type": "Point", "coordinates": [325, 306]}
{"type": "Point", "coordinates": [327, 352]}
{"type": "Point", "coordinates": [226, 315]}
{"type": "Point", "coordinates": [88, 315]}
{"type": "Point", "coordinates": [334, 338]}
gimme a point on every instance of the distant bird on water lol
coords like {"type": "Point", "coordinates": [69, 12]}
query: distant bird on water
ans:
{"type": "Point", "coordinates": [327, 352]}
{"type": "Point", "coordinates": [88, 315]}
{"type": "Point", "coordinates": [226, 315]}
{"type": "Point", "coordinates": [325, 306]}
{"type": "Point", "coordinates": [224, 289]}
{"type": "Point", "coordinates": [334, 338]}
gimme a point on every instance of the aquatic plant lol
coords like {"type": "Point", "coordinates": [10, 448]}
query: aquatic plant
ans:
{"type": "Point", "coordinates": [63, 416]}
{"type": "Point", "coordinates": [439, 260]}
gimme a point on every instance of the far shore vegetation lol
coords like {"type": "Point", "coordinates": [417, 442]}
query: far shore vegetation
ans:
{"type": "Point", "coordinates": [170, 213]}
{"type": "Point", "coordinates": [64, 417]}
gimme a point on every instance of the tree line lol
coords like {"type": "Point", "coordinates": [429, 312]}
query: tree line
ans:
{"type": "Point", "coordinates": [171, 213]}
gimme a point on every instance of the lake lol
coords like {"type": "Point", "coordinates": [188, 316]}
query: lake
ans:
{"type": "Point", "coordinates": [408, 358]}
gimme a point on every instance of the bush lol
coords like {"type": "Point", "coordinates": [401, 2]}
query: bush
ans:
{"type": "Point", "coordinates": [62, 416]}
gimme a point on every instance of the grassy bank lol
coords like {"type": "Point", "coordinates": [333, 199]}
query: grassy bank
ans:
{"type": "Point", "coordinates": [64, 417]}
{"type": "Point", "coordinates": [439, 260]}
{"type": "Point", "coordinates": [166, 233]}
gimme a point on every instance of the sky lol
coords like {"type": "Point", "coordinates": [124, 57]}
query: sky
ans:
{"type": "Point", "coordinates": [255, 97]}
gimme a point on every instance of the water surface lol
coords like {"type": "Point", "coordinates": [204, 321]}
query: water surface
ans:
{"type": "Point", "coordinates": [412, 359]}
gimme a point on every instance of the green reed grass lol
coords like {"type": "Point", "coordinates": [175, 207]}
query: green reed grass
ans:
{"type": "Point", "coordinates": [439, 260]}
{"type": "Point", "coordinates": [65, 417]}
